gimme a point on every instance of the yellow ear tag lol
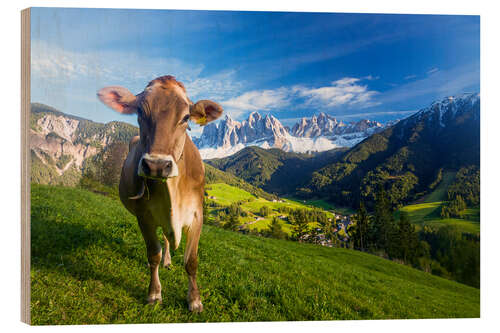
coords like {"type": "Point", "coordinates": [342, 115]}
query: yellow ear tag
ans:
{"type": "Point", "coordinates": [201, 121]}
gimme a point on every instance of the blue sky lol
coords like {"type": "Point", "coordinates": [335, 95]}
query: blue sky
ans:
{"type": "Point", "coordinates": [351, 66]}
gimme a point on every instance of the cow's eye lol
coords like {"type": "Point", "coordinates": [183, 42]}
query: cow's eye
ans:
{"type": "Point", "coordinates": [185, 119]}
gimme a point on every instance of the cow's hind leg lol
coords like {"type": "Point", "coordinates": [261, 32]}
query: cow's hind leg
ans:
{"type": "Point", "coordinates": [167, 260]}
{"type": "Point", "coordinates": [191, 265]}
{"type": "Point", "coordinates": [154, 258]}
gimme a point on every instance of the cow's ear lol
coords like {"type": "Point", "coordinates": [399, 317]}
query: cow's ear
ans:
{"type": "Point", "coordinates": [119, 99]}
{"type": "Point", "coordinates": [205, 111]}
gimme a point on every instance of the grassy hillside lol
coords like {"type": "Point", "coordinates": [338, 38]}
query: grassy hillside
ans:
{"type": "Point", "coordinates": [429, 214]}
{"type": "Point", "coordinates": [225, 195]}
{"type": "Point", "coordinates": [427, 211]}
{"type": "Point", "coordinates": [47, 174]}
{"type": "Point", "coordinates": [89, 266]}
{"type": "Point", "coordinates": [213, 175]}
{"type": "Point", "coordinates": [439, 194]}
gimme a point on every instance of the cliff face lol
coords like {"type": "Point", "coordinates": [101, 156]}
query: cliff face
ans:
{"type": "Point", "coordinates": [60, 143]}
{"type": "Point", "coordinates": [54, 138]}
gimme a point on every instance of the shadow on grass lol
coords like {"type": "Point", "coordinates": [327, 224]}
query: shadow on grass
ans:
{"type": "Point", "coordinates": [63, 247]}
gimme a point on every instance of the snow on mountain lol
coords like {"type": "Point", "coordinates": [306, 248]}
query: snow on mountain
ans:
{"type": "Point", "coordinates": [448, 109]}
{"type": "Point", "coordinates": [325, 125]}
{"type": "Point", "coordinates": [230, 132]}
{"type": "Point", "coordinates": [318, 133]}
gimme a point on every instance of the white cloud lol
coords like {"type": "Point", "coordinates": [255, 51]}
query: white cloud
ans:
{"type": "Point", "coordinates": [346, 81]}
{"type": "Point", "coordinates": [442, 83]}
{"type": "Point", "coordinates": [371, 77]}
{"type": "Point", "coordinates": [217, 87]}
{"type": "Point", "coordinates": [258, 100]}
{"type": "Point", "coordinates": [371, 114]}
{"type": "Point", "coordinates": [53, 65]}
{"type": "Point", "coordinates": [409, 77]}
{"type": "Point", "coordinates": [345, 117]}
{"type": "Point", "coordinates": [68, 80]}
{"type": "Point", "coordinates": [345, 91]}
{"type": "Point", "coordinates": [432, 70]}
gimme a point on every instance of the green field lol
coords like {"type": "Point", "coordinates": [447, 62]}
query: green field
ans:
{"type": "Point", "coordinates": [89, 266]}
{"type": "Point", "coordinates": [225, 195]}
{"type": "Point", "coordinates": [427, 211]}
{"type": "Point", "coordinates": [439, 194]}
{"type": "Point", "coordinates": [320, 203]}
{"type": "Point", "coordinates": [429, 214]}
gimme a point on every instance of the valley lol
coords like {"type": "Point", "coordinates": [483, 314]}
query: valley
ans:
{"type": "Point", "coordinates": [224, 195]}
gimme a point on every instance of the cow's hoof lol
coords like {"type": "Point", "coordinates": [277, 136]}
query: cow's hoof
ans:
{"type": "Point", "coordinates": [168, 266]}
{"type": "Point", "coordinates": [152, 299]}
{"type": "Point", "coordinates": [195, 306]}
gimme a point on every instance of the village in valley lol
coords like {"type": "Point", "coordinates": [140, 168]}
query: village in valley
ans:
{"type": "Point", "coordinates": [253, 215]}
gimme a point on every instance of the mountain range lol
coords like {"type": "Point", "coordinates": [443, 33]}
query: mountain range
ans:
{"type": "Point", "coordinates": [315, 134]}
{"type": "Point", "coordinates": [406, 158]}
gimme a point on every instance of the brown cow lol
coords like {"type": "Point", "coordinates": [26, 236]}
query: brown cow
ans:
{"type": "Point", "coordinates": [163, 176]}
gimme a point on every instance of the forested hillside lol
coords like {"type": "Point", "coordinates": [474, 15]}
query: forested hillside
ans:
{"type": "Point", "coordinates": [274, 170]}
{"type": "Point", "coordinates": [405, 159]}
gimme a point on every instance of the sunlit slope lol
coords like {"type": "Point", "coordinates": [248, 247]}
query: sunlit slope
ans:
{"type": "Point", "coordinates": [89, 266]}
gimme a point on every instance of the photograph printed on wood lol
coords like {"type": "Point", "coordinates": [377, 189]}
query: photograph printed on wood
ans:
{"type": "Point", "coordinates": [228, 166]}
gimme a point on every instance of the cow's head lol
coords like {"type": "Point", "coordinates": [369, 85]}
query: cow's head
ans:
{"type": "Point", "coordinates": [163, 110]}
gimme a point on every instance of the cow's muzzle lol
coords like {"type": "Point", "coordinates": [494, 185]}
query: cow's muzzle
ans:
{"type": "Point", "coordinates": [157, 166]}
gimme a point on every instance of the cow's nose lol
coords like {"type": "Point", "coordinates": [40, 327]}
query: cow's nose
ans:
{"type": "Point", "coordinates": [167, 167]}
{"type": "Point", "coordinates": [156, 167]}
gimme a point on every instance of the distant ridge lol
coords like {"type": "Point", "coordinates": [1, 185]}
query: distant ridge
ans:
{"type": "Point", "coordinates": [405, 158]}
{"type": "Point", "coordinates": [315, 134]}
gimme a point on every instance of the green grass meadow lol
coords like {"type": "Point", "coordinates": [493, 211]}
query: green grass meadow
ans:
{"type": "Point", "coordinates": [225, 195]}
{"type": "Point", "coordinates": [428, 214]}
{"type": "Point", "coordinates": [439, 193]}
{"type": "Point", "coordinates": [427, 211]}
{"type": "Point", "coordinates": [89, 266]}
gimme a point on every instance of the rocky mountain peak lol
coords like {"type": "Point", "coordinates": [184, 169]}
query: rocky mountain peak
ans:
{"type": "Point", "coordinates": [253, 117]}
{"type": "Point", "coordinates": [318, 133]}
{"type": "Point", "coordinates": [448, 109]}
{"type": "Point", "coordinates": [228, 132]}
{"type": "Point", "coordinates": [325, 125]}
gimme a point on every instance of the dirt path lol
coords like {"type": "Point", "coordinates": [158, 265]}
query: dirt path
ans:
{"type": "Point", "coordinates": [252, 222]}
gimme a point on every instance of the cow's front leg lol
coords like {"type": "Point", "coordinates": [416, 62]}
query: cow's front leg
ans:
{"type": "Point", "coordinates": [167, 260]}
{"type": "Point", "coordinates": [191, 265]}
{"type": "Point", "coordinates": [154, 258]}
